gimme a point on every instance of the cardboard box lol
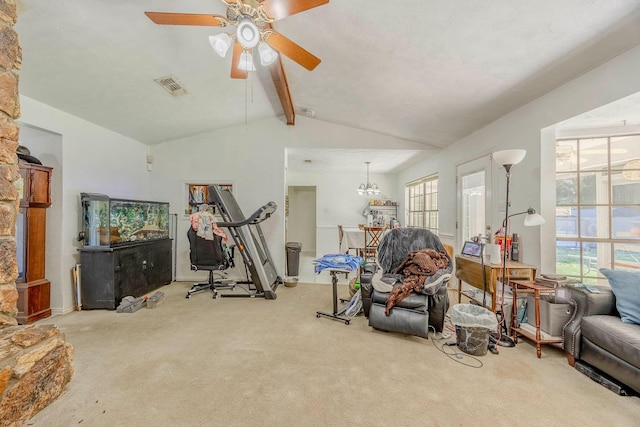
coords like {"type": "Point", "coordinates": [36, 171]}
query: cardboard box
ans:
{"type": "Point", "coordinates": [555, 312]}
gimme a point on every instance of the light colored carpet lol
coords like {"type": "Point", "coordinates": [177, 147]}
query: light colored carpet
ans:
{"type": "Point", "coordinates": [254, 362]}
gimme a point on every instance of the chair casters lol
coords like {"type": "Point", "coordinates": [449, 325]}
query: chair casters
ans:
{"type": "Point", "coordinates": [212, 287]}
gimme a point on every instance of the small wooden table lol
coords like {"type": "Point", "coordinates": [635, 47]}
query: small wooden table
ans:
{"type": "Point", "coordinates": [530, 287]}
{"type": "Point", "coordinates": [470, 270]}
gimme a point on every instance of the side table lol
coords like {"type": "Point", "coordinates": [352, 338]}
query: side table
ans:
{"type": "Point", "coordinates": [530, 287]}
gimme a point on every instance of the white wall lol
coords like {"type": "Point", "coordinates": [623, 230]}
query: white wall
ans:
{"type": "Point", "coordinates": [338, 203]}
{"type": "Point", "coordinates": [91, 159]}
{"type": "Point", "coordinates": [522, 128]}
{"type": "Point", "coordinates": [254, 159]}
{"type": "Point", "coordinates": [97, 160]}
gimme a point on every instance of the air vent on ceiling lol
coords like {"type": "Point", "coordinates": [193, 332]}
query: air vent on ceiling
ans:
{"type": "Point", "coordinates": [172, 85]}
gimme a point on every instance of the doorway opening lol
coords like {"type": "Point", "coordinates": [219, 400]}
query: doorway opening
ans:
{"type": "Point", "coordinates": [301, 219]}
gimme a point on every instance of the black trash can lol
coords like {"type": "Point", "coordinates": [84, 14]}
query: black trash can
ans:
{"type": "Point", "coordinates": [293, 258]}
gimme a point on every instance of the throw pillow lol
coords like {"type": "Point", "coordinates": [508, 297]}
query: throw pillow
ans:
{"type": "Point", "coordinates": [626, 288]}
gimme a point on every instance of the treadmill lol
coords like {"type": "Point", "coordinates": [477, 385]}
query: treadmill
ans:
{"type": "Point", "coordinates": [249, 240]}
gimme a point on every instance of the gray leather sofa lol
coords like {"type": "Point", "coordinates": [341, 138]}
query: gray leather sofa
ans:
{"type": "Point", "coordinates": [596, 336]}
{"type": "Point", "coordinates": [418, 311]}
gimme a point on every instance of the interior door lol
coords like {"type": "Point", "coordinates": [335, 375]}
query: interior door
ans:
{"type": "Point", "coordinates": [474, 199]}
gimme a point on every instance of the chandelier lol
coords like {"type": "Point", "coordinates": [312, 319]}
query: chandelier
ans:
{"type": "Point", "coordinates": [369, 188]}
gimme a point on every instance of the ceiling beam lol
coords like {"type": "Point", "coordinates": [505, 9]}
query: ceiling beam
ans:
{"type": "Point", "coordinates": [282, 87]}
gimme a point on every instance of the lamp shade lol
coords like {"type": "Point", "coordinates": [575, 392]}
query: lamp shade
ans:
{"type": "Point", "coordinates": [246, 62]}
{"type": "Point", "coordinates": [267, 54]}
{"type": "Point", "coordinates": [509, 157]}
{"type": "Point", "coordinates": [220, 43]}
{"type": "Point", "coordinates": [533, 219]}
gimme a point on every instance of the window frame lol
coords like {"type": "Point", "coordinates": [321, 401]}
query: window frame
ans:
{"type": "Point", "coordinates": [578, 240]}
{"type": "Point", "coordinates": [421, 197]}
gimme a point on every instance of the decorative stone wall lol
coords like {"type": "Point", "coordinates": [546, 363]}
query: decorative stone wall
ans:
{"type": "Point", "coordinates": [35, 361]}
{"type": "Point", "coordinates": [35, 366]}
{"type": "Point", "coordinates": [10, 61]}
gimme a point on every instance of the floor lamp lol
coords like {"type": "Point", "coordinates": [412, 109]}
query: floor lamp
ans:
{"type": "Point", "coordinates": [506, 159]}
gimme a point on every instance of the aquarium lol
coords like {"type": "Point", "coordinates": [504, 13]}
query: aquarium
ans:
{"type": "Point", "coordinates": [110, 222]}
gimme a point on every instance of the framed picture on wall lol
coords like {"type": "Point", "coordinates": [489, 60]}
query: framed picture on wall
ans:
{"type": "Point", "coordinates": [195, 194]}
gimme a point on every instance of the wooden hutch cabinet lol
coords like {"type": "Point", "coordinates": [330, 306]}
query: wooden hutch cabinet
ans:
{"type": "Point", "coordinates": [34, 290]}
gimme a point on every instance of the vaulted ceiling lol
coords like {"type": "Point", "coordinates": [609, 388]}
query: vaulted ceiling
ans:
{"type": "Point", "coordinates": [424, 71]}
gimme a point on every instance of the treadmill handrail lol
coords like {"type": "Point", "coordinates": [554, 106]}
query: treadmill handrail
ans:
{"type": "Point", "coordinates": [263, 213]}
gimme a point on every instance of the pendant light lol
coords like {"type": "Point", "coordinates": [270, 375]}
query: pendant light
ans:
{"type": "Point", "coordinates": [368, 188]}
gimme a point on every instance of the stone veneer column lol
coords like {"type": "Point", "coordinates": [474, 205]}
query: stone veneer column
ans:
{"type": "Point", "coordinates": [35, 361]}
{"type": "Point", "coordinates": [10, 60]}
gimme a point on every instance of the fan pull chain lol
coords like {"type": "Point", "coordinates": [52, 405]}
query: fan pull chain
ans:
{"type": "Point", "coordinates": [246, 99]}
{"type": "Point", "coordinates": [246, 106]}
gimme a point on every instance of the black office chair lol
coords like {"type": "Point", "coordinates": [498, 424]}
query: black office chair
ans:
{"type": "Point", "coordinates": [211, 255]}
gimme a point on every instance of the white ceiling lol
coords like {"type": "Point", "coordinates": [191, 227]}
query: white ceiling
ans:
{"type": "Point", "coordinates": [425, 71]}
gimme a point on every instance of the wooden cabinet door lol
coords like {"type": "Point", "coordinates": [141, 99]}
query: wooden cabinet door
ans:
{"type": "Point", "coordinates": [39, 194]}
{"type": "Point", "coordinates": [36, 244]}
{"type": "Point", "coordinates": [159, 264]}
{"type": "Point", "coordinates": [36, 189]}
{"type": "Point", "coordinates": [130, 269]}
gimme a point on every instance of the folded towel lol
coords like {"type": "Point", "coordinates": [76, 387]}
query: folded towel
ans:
{"type": "Point", "coordinates": [342, 261]}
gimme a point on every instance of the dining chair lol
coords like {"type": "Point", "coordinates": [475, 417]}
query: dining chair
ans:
{"type": "Point", "coordinates": [449, 250]}
{"type": "Point", "coordinates": [372, 237]}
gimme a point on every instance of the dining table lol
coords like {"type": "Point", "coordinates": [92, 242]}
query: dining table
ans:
{"type": "Point", "coordinates": [354, 239]}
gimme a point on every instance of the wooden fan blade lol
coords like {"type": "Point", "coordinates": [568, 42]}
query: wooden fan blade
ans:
{"type": "Point", "coordinates": [237, 73]}
{"type": "Point", "coordinates": [163, 18]}
{"type": "Point", "coordinates": [278, 9]}
{"type": "Point", "coordinates": [293, 51]}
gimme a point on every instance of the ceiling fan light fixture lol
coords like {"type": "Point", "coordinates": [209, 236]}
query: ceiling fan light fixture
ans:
{"type": "Point", "coordinates": [220, 43]}
{"type": "Point", "coordinates": [246, 62]}
{"type": "Point", "coordinates": [248, 33]}
{"type": "Point", "coordinates": [267, 54]}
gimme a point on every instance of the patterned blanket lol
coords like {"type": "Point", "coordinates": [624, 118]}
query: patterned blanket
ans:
{"type": "Point", "coordinates": [415, 268]}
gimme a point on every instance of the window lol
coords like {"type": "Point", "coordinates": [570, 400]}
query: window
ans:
{"type": "Point", "coordinates": [597, 206]}
{"type": "Point", "coordinates": [422, 200]}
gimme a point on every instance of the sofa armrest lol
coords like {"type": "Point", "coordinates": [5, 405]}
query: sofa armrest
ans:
{"type": "Point", "coordinates": [585, 303]}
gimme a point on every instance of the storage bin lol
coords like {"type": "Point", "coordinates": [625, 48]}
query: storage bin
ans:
{"type": "Point", "coordinates": [555, 312]}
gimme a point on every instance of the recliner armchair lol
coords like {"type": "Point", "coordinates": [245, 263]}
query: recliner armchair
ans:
{"type": "Point", "coordinates": [209, 255]}
{"type": "Point", "coordinates": [416, 313]}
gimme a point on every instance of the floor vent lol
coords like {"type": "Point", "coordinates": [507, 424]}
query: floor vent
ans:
{"type": "Point", "coordinates": [172, 85]}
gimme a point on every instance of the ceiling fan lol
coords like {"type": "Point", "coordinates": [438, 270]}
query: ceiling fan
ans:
{"type": "Point", "coordinates": [252, 19]}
